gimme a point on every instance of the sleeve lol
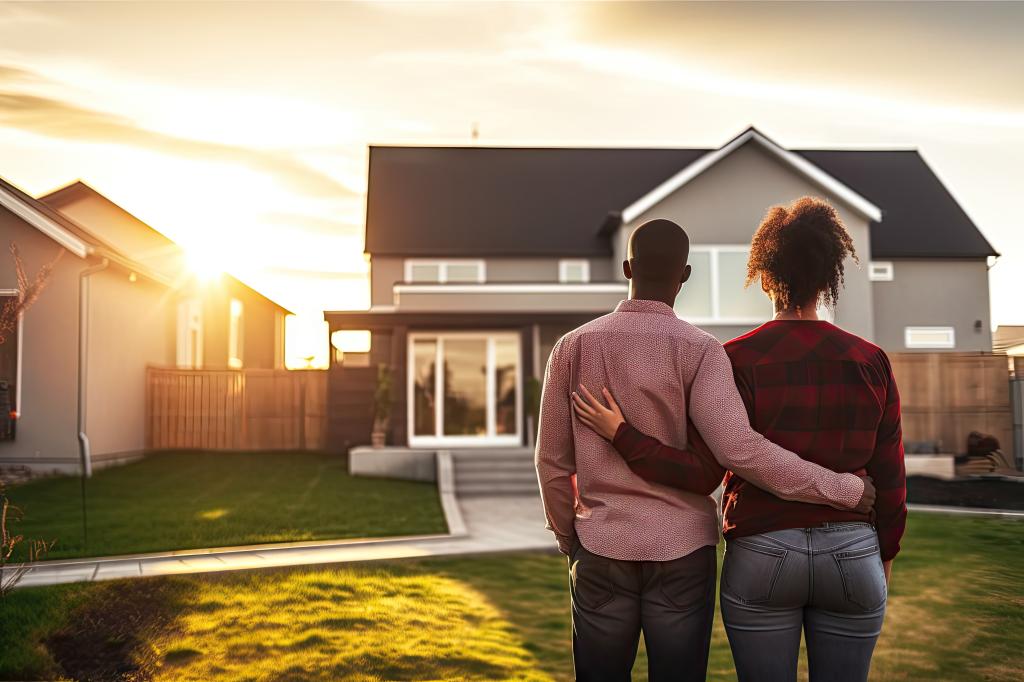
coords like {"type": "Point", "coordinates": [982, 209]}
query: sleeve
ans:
{"type": "Point", "coordinates": [719, 414]}
{"type": "Point", "coordinates": [888, 471]}
{"type": "Point", "coordinates": [555, 457]}
{"type": "Point", "coordinates": [693, 469]}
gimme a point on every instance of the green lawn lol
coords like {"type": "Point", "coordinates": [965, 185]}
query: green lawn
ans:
{"type": "Point", "coordinates": [955, 614]}
{"type": "Point", "coordinates": [187, 500]}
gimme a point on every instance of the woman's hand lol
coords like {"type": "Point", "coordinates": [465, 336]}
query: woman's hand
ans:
{"type": "Point", "coordinates": [603, 420]}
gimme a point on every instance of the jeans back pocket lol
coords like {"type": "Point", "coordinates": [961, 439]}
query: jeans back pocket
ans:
{"type": "Point", "coordinates": [751, 570]}
{"type": "Point", "coordinates": [863, 577]}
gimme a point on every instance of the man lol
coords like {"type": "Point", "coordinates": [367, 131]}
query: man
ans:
{"type": "Point", "coordinates": [642, 555]}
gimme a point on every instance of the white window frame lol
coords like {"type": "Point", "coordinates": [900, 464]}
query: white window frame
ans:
{"type": "Point", "coordinates": [442, 268]}
{"type": "Point", "coordinates": [21, 351]}
{"type": "Point", "coordinates": [185, 319]}
{"type": "Point", "coordinates": [566, 263]}
{"type": "Point", "coordinates": [716, 318]}
{"type": "Point", "coordinates": [236, 334]}
{"type": "Point", "coordinates": [439, 439]}
{"type": "Point", "coordinates": [908, 333]}
{"type": "Point", "coordinates": [880, 271]}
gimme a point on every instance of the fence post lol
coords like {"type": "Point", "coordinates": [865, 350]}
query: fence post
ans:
{"type": "Point", "coordinates": [1017, 405]}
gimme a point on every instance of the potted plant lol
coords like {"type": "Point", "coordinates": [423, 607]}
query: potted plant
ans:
{"type": "Point", "coordinates": [381, 406]}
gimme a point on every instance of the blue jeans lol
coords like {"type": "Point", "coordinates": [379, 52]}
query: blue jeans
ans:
{"type": "Point", "coordinates": [827, 582]}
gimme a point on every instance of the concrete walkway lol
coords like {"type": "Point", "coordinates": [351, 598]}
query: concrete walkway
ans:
{"type": "Point", "coordinates": [479, 524]}
{"type": "Point", "coordinates": [494, 524]}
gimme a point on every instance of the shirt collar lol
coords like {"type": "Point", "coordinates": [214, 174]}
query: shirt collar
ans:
{"type": "Point", "coordinates": [639, 305]}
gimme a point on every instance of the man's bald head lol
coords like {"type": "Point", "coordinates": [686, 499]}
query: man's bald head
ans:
{"type": "Point", "coordinates": [658, 251]}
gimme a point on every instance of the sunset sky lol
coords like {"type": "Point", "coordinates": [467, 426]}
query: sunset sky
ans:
{"type": "Point", "coordinates": [241, 129]}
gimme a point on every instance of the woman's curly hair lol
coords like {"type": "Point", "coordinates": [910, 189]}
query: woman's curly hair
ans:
{"type": "Point", "coordinates": [798, 252]}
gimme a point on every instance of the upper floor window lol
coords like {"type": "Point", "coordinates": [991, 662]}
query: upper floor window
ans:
{"type": "Point", "coordinates": [445, 271]}
{"type": "Point", "coordinates": [880, 271]}
{"type": "Point", "coordinates": [573, 271]}
{"type": "Point", "coordinates": [715, 292]}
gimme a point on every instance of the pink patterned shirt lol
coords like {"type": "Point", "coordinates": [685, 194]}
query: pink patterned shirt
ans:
{"type": "Point", "coordinates": [659, 368]}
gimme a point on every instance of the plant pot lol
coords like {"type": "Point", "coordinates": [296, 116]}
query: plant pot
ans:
{"type": "Point", "coordinates": [377, 439]}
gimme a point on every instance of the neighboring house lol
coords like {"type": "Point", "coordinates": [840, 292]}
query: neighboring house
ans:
{"type": "Point", "coordinates": [1009, 339]}
{"type": "Point", "coordinates": [76, 368]}
{"type": "Point", "coordinates": [221, 323]}
{"type": "Point", "coordinates": [480, 258]}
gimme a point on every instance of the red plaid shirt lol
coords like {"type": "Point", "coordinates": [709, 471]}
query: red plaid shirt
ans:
{"type": "Point", "coordinates": [816, 390]}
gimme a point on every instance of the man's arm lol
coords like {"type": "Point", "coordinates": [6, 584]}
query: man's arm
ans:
{"type": "Point", "coordinates": [719, 414]}
{"type": "Point", "coordinates": [555, 457]}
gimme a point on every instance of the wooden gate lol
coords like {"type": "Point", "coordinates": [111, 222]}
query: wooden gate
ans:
{"type": "Point", "coordinates": [250, 409]}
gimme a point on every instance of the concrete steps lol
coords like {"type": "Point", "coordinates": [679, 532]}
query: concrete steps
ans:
{"type": "Point", "coordinates": [480, 473]}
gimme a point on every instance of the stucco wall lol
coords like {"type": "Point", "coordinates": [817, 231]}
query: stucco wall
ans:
{"type": "Point", "coordinates": [930, 293]}
{"type": "Point", "coordinates": [725, 204]}
{"type": "Point", "coordinates": [46, 431]}
{"type": "Point", "coordinates": [131, 325]}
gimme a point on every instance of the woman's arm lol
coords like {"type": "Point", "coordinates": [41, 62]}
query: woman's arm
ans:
{"type": "Point", "coordinates": [889, 473]}
{"type": "Point", "coordinates": [693, 469]}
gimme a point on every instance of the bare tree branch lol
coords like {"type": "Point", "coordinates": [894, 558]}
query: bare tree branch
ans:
{"type": "Point", "coordinates": [28, 291]}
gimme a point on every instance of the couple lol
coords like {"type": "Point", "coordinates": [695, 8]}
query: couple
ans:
{"type": "Point", "coordinates": [626, 491]}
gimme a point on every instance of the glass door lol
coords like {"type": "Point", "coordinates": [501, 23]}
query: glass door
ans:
{"type": "Point", "coordinates": [464, 389]}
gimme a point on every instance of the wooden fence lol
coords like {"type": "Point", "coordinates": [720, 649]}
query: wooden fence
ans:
{"type": "Point", "coordinates": [250, 409]}
{"type": "Point", "coordinates": [945, 396]}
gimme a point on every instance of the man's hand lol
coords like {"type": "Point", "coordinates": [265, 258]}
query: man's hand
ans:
{"type": "Point", "coordinates": [887, 566]}
{"type": "Point", "coordinates": [590, 411]}
{"type": "Point", "coordinates": [867, 500]}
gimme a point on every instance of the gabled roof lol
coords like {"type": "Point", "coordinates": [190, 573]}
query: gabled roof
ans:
{"type": "Point", "coordinates": [752, 136]}
{"type": "Point", "coordinates": [921, 219]}
{"type": "Point", "coordinates": [66, 231]}
{"type": "Point", "coordinates": [448, 201]}
{"type": "Point", "coordinates": [554, 201]}
{"type": "Point", "coordinates": [163, 254]}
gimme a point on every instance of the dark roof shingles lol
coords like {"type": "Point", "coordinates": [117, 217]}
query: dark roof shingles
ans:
{"type": "Point", "coordinates": [521, 201]}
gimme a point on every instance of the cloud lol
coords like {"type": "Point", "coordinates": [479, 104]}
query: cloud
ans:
{"type": "Point", "coordinates": [65, 120]}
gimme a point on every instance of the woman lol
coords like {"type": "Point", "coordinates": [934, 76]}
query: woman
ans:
{"type": "Point", "coordinates": [793, 567]}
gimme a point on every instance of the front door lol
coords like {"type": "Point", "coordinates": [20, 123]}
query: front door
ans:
{"type": "Point", "coordinates": [464, 389]}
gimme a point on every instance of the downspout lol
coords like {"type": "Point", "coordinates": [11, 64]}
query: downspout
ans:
{"type": "Point", "coordinates": [83, 364]}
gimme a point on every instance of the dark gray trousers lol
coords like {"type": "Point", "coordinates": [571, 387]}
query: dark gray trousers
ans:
{"type": "Point", "coordinates": [826, 583]}
{"type": "Point", "coordinates": [672, 602]}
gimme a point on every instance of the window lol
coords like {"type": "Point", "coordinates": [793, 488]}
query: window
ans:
{"type": "Point", "coordinates": [880, 271]}
{"type": "Point", "coordinates": [573, 271]}
{"type": "Point", "coordinates": [715, 293]}
{"type": "Point", "coordinates": [930, 337]}
{"type": "Point", "coordinates": [190, 334]}
{"type": "Point", "coordinates": [464, 387]}
{"type": "Point", "coordinates": [10, 366]}
{"type": "Point", "coordinates": [236, 335]}
{"type": "Point", "coordinates": [445, 271]}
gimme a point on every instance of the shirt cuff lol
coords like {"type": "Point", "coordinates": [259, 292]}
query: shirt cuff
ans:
{"type": "Point", "coordinates": [624, 437]}
{"type": "Point", "coordinates": [852, 490]}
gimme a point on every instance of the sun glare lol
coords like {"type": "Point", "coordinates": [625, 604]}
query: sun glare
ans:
{"type": "Point", "coordinates": [205, 265]}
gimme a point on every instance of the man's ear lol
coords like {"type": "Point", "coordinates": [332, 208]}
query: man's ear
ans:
{"type": "Point", "coordinates": [627, 270]}
{"type": "Point", "coordinates": [686, 275]}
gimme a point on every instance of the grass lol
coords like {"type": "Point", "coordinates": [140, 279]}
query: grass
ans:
{"type": "Point", "coordinates": [955, 614]}
{"type": "Point", "coordinates": [188, 500]}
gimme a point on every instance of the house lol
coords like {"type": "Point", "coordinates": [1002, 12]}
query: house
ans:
{"type": "Point", "coordinates": [75, 369]}
{"type": "Point", "coordinates": [481, 258]}
{"type": "Point", "coordinates": [221, 323]}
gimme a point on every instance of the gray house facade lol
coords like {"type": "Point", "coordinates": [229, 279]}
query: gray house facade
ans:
{"type": "Point", "coordinates": [481, 258]}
